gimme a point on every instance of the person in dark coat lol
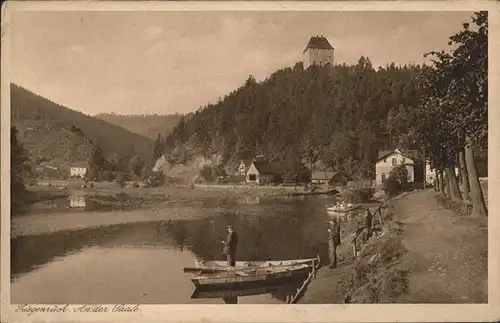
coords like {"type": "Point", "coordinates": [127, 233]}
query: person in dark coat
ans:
{"type": "Point", "coordinates": [230, 246]}
{"type": "Point", "coordinates": [333, 241]}
{"type": "Point", "coordinates": [368, 224]}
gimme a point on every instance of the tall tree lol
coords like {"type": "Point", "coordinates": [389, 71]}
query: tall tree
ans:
{"type": "Point", "coordinates": [158, 147]}
{"type": "Point", "coordinates": [97, 162]}
{"type": "Point", "coordinates": [20, 167]}
{"type": "Point", "coordinates": [458, 86]}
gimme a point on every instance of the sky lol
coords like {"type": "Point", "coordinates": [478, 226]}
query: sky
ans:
{"type": "Point", "coordinates": [175, 62]}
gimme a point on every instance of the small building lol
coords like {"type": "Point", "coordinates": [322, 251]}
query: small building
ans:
{"type": "Point", "coordinates": [330, 178]}
{"type": "Point", "coordinates": [318, 52]}
{"type": "Point", "coordinates": [78, 169]}
{"type": "Point", "coordinates": [263, 172]}
{"type": "Point", "coordinates": [387, 160]}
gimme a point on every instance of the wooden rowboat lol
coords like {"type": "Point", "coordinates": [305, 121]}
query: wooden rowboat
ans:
{"type": "Point", "coordinates": [251, 276]}
{"type": "Point", "coordinates": [222, 265]}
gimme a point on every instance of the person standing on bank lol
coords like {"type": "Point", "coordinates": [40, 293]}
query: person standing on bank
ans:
{"type": "Point", "coordinates": [333, 241]}
{"type": "Point", "coordinates": [230, 246]}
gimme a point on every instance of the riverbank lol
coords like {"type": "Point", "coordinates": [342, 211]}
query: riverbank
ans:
{"type": "Point", "coordinates": [427, 254]}
{"type": "Point", "coordinates": [370, 278]}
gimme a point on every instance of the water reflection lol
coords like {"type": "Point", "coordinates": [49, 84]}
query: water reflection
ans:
{"type": "Point", "coordinates": [288, 229]}
{"type": "Point", "coordinates": [77, 200]}
{"type": "Point", "coordinates": [282, 292]}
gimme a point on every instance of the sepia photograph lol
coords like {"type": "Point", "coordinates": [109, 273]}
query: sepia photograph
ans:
{"type": "Point", "coordinates": [271, 157]}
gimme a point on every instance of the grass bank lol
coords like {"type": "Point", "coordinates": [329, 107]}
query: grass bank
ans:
{"type": "Point", "coordinates": [374, 276]}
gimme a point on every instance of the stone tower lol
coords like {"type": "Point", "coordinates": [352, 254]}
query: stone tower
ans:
{"type": "Point", "coordinates": [318, 52]}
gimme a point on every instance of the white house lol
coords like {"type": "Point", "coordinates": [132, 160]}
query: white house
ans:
{"type": "Point", "coordinates": [318, 52]}
{"type": "Point", "coordinates": [388, 160]}
{"type": "Point", "coordinates": [78, 169]}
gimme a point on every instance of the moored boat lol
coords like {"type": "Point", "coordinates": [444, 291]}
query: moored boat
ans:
{"type": "Point", "coordinates": [252, 276]}
{"type": "Point", "coordinates": [222, 265]}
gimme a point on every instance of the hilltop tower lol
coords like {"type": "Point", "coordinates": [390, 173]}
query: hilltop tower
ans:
{"type": "Point", "coordinates": [318, 52]}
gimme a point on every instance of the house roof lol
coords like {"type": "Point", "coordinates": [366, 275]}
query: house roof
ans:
{"type": "Point", "coordinates": [410, 154]}
{"type": "Point", "coordinates": [80, 164]}
{"type": "Point", "coordinates": [341, 176]}
{"type": "Point", "coordinates": [318, 42]}
{"type": "Point", "coordinates": [247, 161]}
{"type": "Point", "coordinates": [268, 168]}
{"type": "Point", "coordinates": [384, 153]}
{"type": "Point", "coordinates": [323, 175]}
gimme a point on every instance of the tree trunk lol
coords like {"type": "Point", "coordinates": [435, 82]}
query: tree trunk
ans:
{"type": "Point", "coordinates": [476, 193]}
{"type": "Point", "coordinates": [454, 190]}
{"type": "Point", "coordinates": [441, 182]}
{"type": "Point", "coordinates": [446, 185]}
{"type": "Point", "coordinates": [464, 175]}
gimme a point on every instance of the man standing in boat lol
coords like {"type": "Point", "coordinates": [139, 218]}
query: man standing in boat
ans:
{"type": "Point", "coordinates": [230, 246]}
{"type": "Point", "coordinates": [333, 241]}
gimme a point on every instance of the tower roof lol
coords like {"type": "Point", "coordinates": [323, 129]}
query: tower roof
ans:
{"type": "Point", "coordinates": [318, 42]}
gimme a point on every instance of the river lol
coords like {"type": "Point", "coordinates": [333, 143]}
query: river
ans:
{"type": "Point", "coordinates": [141, 262]}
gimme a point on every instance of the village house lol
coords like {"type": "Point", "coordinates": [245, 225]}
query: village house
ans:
{"type": "Point", "coordinates": [78, 169]}
{"type": "Point", "coordinates": [318, 52]}
{"type": "Point", "coordinates": [387, 160]}
{"type": "Point", "coordinates": [263, 172]}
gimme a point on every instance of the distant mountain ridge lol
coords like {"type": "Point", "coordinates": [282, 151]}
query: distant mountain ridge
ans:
{"type": "Point", "coordinates": [145, 125]}
{"type": "Point", "coordinates": [49, 124]}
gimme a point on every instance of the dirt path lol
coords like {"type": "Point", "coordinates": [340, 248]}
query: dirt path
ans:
{"type": "Point", "coordinates": [447, 254]}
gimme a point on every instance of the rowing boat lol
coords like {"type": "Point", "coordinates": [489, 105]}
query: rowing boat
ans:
{"type": "Point", "coordinates": [251, 276]}
{"type": "Point", "coordinates": [342, 209]}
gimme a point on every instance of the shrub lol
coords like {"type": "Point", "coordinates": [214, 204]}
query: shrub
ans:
{"type": "Point", "coordinates": [397, 180]}
{"type": "Point", "coordinates": [120, 179]}
{"type": "Point", "coordinates": [206, 173]}
{"type": "Point", "coordinates": [157, 179]}
{"type": "Point", "coordinates": [392, 187]}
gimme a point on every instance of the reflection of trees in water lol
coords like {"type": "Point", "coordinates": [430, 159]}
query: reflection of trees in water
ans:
{"type": "Point", "coordinates": [28, 252]}
{"type": "Point", "coordinates": [276, 231]}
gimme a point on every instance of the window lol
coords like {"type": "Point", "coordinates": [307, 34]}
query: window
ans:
{"type": "Point", "coordinates": [383, 177]}
{"type": "Point", "coordinates": [252, 177]}
{"type": "Point", "coordinates": [403, 161]}
{"type": "Point", "coordinates": [394, 162]}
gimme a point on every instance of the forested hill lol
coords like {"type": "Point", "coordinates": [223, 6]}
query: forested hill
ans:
{"type": "Point", "coordinates": [145, 125]}
{"type": "Point", "coordinates": [27, 106]}
{"type": "Point", "coordinates": [338, 115]}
